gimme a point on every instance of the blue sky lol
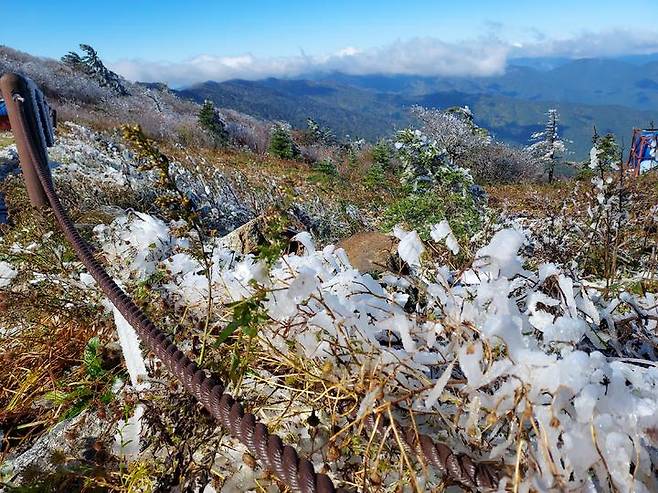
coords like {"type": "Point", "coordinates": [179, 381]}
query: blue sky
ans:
{"type": "Point", "coordinates": [160, 33]}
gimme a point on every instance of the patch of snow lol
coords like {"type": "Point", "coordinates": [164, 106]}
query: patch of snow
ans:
{"type": "Point", "coordinates": [442, 231]}
{"type": "Point", "coordinates": [410, 247]}
{"type": "Point", "coordinates": [127, 437]}
{"type": "Point", "coordinates": [131, 353]}
{"type": "Point", "coordinates": [7, 274]}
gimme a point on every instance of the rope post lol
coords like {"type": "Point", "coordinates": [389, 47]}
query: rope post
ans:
{"type": "Point", "coordinates": [27, 132]}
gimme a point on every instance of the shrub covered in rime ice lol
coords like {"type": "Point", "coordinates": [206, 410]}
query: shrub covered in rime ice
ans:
{"type": "Point", "coordinates": [519, 361]}
{"type": "Point", "coordinates": [435, 187]}
{"type": "Point", "coordinates": [454, 130]}
{"type": "Point", "coordinates": [466, 144]}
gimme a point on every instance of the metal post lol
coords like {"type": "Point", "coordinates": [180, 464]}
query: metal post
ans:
{"type": "Point", "coordinates": [23, 121]}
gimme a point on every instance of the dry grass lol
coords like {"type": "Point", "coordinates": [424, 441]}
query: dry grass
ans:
{"type": "Point", "coordinates": [540, 199]}
{"type": "Point", "coordinates": [42, 354]}
{"type": "Point", "coordinates": [45, 329]}
{"type": "Point", "coordinates": [612, 234]}
{"type": "Point", "coordinates": [532, 199]}
{"type": "Point", "coordinates": [265, 172]}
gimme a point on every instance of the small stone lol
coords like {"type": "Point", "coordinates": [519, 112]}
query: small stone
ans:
{"type": "Point", "coordinates": [249, 460]}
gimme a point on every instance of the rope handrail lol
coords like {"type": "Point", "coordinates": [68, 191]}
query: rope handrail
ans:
{"type": "Point", "coordinates": [296, 472]}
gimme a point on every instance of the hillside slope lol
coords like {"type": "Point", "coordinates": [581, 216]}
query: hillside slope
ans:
{"type": "Point", "coordinates": [347, 110]}
{"type": "Point", "coordinates": [366, 113]}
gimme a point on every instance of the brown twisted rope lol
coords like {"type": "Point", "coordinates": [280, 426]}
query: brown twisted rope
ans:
{"type": "Point", "coordinates": [297, 472]}
{"type": "Point", "coordinates": [457, 467]}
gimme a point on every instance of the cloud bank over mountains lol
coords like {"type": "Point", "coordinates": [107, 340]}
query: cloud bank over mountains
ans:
{"type": "Point", "coordinates": [485, 56]}
{"type": "Point", "coordinates": [614, 42]}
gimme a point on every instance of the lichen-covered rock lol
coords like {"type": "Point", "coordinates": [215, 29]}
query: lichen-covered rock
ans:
{"type": "Point", "coordinates": [246, 238]}
{"type": "Point", "coordinates": [71, 442]}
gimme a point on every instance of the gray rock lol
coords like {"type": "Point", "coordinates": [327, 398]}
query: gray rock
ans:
{"type": "Point", "coordinates": [246, 238]}
{"type": "Point", "coordinates": [69, 439]}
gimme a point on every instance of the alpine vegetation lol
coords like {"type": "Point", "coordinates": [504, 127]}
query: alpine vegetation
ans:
{"type": "Point", "coordinates": [520, 361]}
{"type": "Point", "coordinates": [431, 311]}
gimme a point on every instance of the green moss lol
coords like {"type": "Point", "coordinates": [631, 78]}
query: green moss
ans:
{"type": "Point", "coordinates": [6, 139]}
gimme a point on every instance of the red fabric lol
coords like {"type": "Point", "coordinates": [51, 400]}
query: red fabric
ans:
{"type": "Point", "coordinates": [4, 123]}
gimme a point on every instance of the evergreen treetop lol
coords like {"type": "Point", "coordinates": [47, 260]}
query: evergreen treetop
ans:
{"type": "Point", "coordinates": [211, 122]}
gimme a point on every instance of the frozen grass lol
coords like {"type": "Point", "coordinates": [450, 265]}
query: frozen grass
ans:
{"type": "Point", "coordinates": [334, 347]}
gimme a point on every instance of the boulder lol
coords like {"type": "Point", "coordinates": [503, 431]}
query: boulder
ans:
{"type": "Point", "coordinates": [252, 234]}
{"type": "Point", "coordinates": [371, 251]}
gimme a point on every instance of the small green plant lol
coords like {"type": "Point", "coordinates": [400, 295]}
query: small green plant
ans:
{"type": "Point", "coordinates": [144, 293]}
{"type": "Point", "coordinates": [325, 171]}
{"type": "Point", "coordinates": [352, 159]}
{"type": "Point", "coordinates": [95, 386]}
{"type": "Point", "coordinates": [91, 358]}
{"type": "Point", "coordinates": [585, 174]}
{"type": "Point", "coordinates": [247, 316]}
{"type": "Point", "coordinates": [281, 144]}
{"type": "Point", "coordinates": [275, 243]}
{"type": "Point", "coordinates": [381, 153]}
{"type": "Point", "coordinates": [421, 210]}
{"type": "Point", "coordinates": [375, 177]}
{"type": "Point", "coordinates": [604, 156]}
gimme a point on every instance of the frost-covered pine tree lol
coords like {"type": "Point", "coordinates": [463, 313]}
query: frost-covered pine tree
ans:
{"type": "Point", "coordinates": [93, 66]}
{"type": "Point", "coordinates": [319, 135]}
{"type": "Point", "coordinates": [604, 156]}
{"type": "Point", "coordinates": [73, 60]}
{"type": "Point", "coordinates": [547, 146]}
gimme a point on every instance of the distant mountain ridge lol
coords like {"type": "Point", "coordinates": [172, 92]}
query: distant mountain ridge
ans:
{"type": "Point", "coordinates": [614, 95]}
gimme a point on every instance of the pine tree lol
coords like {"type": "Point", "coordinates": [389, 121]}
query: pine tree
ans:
{"type": "Point", "coordinates": [281, 143]}
{"type": "Point", "coordinates": [316, 134]}
{"type": "Point", "coordinates": [381, 153]}
{"type": "Point", "coordinates": [210, 121]}
{"type": "Point", "coordinates": [92, 65]}
{"type": "Point", "coordinates": [73, 60]}
{"type": "Point", "coordinates": [547, 145]}
{"type": "Point", "coordinates": [604, 155]}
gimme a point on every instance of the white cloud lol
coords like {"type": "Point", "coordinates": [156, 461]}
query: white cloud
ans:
{"type": "Point", "coordinates": [418, 56]}
{"type": "Point", "coordinates": [613, 42]}
{"type": "Point", "coordinates": [425, 56]}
